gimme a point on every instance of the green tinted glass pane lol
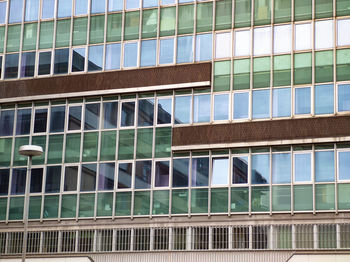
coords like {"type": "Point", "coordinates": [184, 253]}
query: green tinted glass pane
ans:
{"type": "Point", "coordinates": [13, 38]}
{"type": "Point", "coordinates": [72, 148]}
{"type": "Point", "coordinates": [239, 199]}
{"type": "Point", "coordinates": [302, 68]}
{"type": "Point", "coordinates": [261, 75]}
{"type": "Point", "coordinates": [80, 30]}
{"type": "Point", "coordinates": [223, 18]}
{"type": "Point", "coordinates": [324, 66]}
{"type": "Point", "coordinates": [114, 27]}
{"type": "Point", "coordinates": [179, 201]}
{"type": "Point", "coordinates": [262, 12]}
{"type": "Point", "coordinates": [39, 141]}
{"type": "Point", "coordinates": [167, 21]}
{"type": "Point", "coordinates": [343, 196]}
{"type": "Point", "coordinates": [69, 206]}
{"type": "Point", "coordinates": [281, 198]}
{"type": "Point", "coordinates": [222, 73]}
{"type": "Point", "coordinates": [241, 74]}
{"type": "Point", "coordinates": [185, 21]}
{"type": "Point", "coordinates": [2, 38]}
{"type": "Point", "coordinates": [34, 207]}
{"type": "Point", "coordinates": [51, 206]}
{"type": "Point", "coordinates": [123, 204]}
{"type": "Point", "coordinates": [218, 202]}
{"type": "Point", "coordinates": [46, 35]}
{"type": "Point", "coordinates": [343, 64]}
{"type": "Point", "coordinates": [90, 147]}
{"type": "Point", "coordinates": [160, 202]}
{"type": "Point", "coordinates": [325, 197]}
{"type": "Point", "coordinates": [3, 208]}
{"type": "Point", "coordinates": [302, 197]}
{"type": "Point", "coordinates": [18, 159]}
{"type": "Point", "coordinates": [97, 28]}
{"type": "Point", "coordinates": [163, 142]}
{"type": "Point", "coordinates": [199, 200]}
{"type": "Point", "coordinates": [86, 205]}
{"type": "Point", "coordinates": [343, 7]}
{"type": "Point", "coordinates": [16, 208]}
{"type": "Point", "coordinates": [131, 26]}
{"type": "Point", "coordinates": [126, 144]}
{"type": "Point", "coordinates": [260, 199]}
{"type": "Point", "coordinates": [302, 10]}
{"type": "Point", "coordinates": [104, 204]}
{"type": "Point", "coordinates": [242, 13]}
{"type": "Point", "coordinates": [323, 8]}
{"type": "Point", "coordinates": [142, 203]}
{"type": "Point", "coordinates": [149, 23]}
{"type": "Point", "coordinates": [281, 70]}
{"type": "Point", "coordinates": [108, 143]}
{"type": "Point", "coordinates": [144, 143]}
{"type": "Point", "coordinates": [283, 11]}
{"type": "Point", "coordinates": [54, 155]}
{"type": "Point", "coordinates": [204, 17]}
{"type": "Point", "coordinates": [29, 36]}
{"type": "Point", "coordinates": [63, 33]}
{"type": "Point", "coordinates": [5, 151]}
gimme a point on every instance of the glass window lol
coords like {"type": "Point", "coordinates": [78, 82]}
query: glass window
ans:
{"type": "Point", "coordinates": [204, 47]}
{"type": "Point", "coordinates": [200, 171]}
{"type": "Point", "coordinates": [127, 114]}
{"type": "Point", "coordinates": [179, 203]}
{"type": "Point", "coordinates": [3, 8]}
{"type": "Point", "coordinates": [261, 103]}
{"type": "Point", "coordinates": [302, 9]}
{"type": "Point", "coordinates": [16, 11]}
{"type": "Point", "coordinates": [11, 66]}
{"type": "Point", "coordinates": [160, 203]}
{"type": "Point", "coordinates": [342, 33]}
{"type": "Point", "coordinates": [92, 116]}
{"type": "Point", "coordinates": [144, 143]}
{"type": "Point", "coordinates": [221, 107]}
{"type": "Point", "coordinates": [324, 66]}
{"type": "Point", "coordinates": [324, 99]}
{"type": "Point", "coordinates": [162, 174]}
{"type": "Point", "coordinates": [51, 206]}
{"type": "Point", "coordinates": [223, 45]}
{"type": "Point", "coordinates": [325, 197]}
{"type": "Point", "coordinates": [64, 8]}
{"type": "Point", "coordinates": [23, 121]}
{"type": "Point", "coordinates": [113, 52]}
{"type": "Point", "coordinates": [114, 27]}
{"type": "Point", "coordinates": [61, 61]}
{"type": "Point", "coordinates": [2, 40]}
{"type": "Point", "coordinates": [115, 5]}
{"type": "Point", "coordinates": [324, 34]}
{"type": "Point", "coordinates": [184, 49]}
{"type": "Point", "coordinates": [167, 21]}
{"type": "Point", "coordinates": [201, 108]}
{"type": "Point", "coordinates": [70, 178]}
{"type": "Point", "coordinates": [18, 160]}
{"type": "Point", "coordinates": [261, 72]}
{"type": "Point", "coordinates": [90, 146]}
{"type": "Point", "coordinates": [324, 166]}
{"type": "Point", "coordinates": [185, 19]}
{"type": "Point", "coordinates": [88, 177]}
{"type": "Point", "coordinates": [240, 170]}
{"type": "Point", "coordinates": [204, 17]}
{"type": "Point", "coordinates": [44, 63]}
{"type": "Point", "coordinates": [281, 198]}
{"type": "Point", "coordinates": [149, 23]}
{"type": "Point", "coordinates": [32, 10]}
{"type": "Point", "coordinates": [302, 167]}
{"type": "Point", "coordinates": [303, 68]}
{"type": "Point", "coordinates": [81, 7]}
{"type": "Point", "coordinates": [123, 204]}
{"type": "Point", "coordinates": [18, 181]}
{"type": "Point", "coordinates": [142, 202]}
{"type": "Point", "coordinates": [106, 176]}
{"type": "Point", "coordinates": [343, 7]}
{"type": "Point", "coordinates": [262, 41]}
{"type": "Point", "coordinates": [242, 13]}
{"type": "Point", "coordinates": [124, 175]}
{"type": "Point", "coordinates": [343, 193]}
{"type": "Point", "coordinates": [242, 43]}
{"type": "Point", "coordinates": [16, 208]}
{"type": "Point", "coordinates": [5, 154]}
{"type": "Point", "coordinates": [4, 181]}
{"type": "Point", "coordinates": [48, 8]}
{"type": "Point", "coordinates": [146, 112]}
{"type": "Point", "coordinates": [131, 4]}
{"type": "Point", "coordinates": [343, 64]}
{"type": "Point", "coordinates": [260, 169]}
{"type": "Point", "coordinates": [149, 3]}
{"type": "Point", "coordinates": [222, 75]}
{"type": "Point", "coordinates": [6, 122]}
{"type": "Point", "coordinates": [241, 105]}
{"type": "Point", "coordinates": [183, 109]}
{"type": "Point", "coordinates": [78, 59]}
{"type": "Point", "coordinates": [241, 74]}
{"type": "Point", "coordinates": [104, 204]}
{"type": "Point", "coordinates": [260, 199]}
{"type": "Point", "coordinates": [166, 51]}
{"type": "Point", "coordinates": [132, 21]}
{"type": "Point", "coordinates": [164, 110]}
{"type": "Point", "coordinates": [97, 27]}
{"type": "Point", "coordinates": [323, 8]}
{"type": "Point", "coordinates": [98, 6]}
{"type": "Point", "coordinates": [95, 62]}
{"type": "Point", "coordinates": [55, 149]}
{"type": "Point", "coordinates": [303, 197]}
{"type": "Point", "coordinates": [72, 148]}
{"type": "Point", "coordinates": [303, 100]}
{"type": "Point", "coordinates": [281, 168]}
{"type": "Point", "coordinates": [143, 174]}
{"type": "Point", "coordinates": [13, 38]}
{"type": "Point", "coordinates": [180, 172]}
{"type": "Point", "coordinates": [283, 11]}
{"type": "Point", "coordinates": [80, 30]}
{"type": "Point", "coordinates": [126, 144]}
{"type": "Point", "coordinates": [110, 115]}
{"type": "Point", "coordinates": [148, 52]}
{"type": "Point", "coordinates": [282, 39]}
{"type": "Point", "coordinates": [343, 98]}
{"type": "Point", "coordinates": [46, 34]}
{"type": "Point", "coordinates": [163, 142]}
{"type": "Point", "coordinates": [40, 120]}
{"type": "Point", "coordinates": [344, 165]}
{"type": "Point", "coordinates": [53, 179]}
{"type": "Point", "coordinates": [281, 70]}
{"type": "Point", "coordinates": [239, 199]}
{"type": "Point", "coordinates": [28, 64]}
{"type": "Point", "coordinates": [219, 200]}
{"type": "Point", "coordinates": [281, 104]}
{"type": "Point", "coordinates": [303, 36]}
{"type": "Point", "coordinates": [29, 36]}
{"type": "Point", "coordinates": [130, 54]}
{"type": "Point", "coordinates": [108, 145]}
{"type": "Point", "coordinates": [57, 119]}
{"type": "Point", "coordinates": [34, 207]}
{"type": "Point", "coordinates": [262, 12]}
{"type": "Point", "coordinates": [86, 205]}
{"type": "Point", "coordinates": [199, 200]}
{"type": "Point", "coordinates": [74, 118]}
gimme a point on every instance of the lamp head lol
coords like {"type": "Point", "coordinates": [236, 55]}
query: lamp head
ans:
{"type": "Point", "coordinates": [30, 150]}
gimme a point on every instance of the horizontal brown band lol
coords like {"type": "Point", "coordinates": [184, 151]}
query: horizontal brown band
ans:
{"type": "Point", "coordinates": [287, 129]}
{"type": "Point", "coordinates": [106, 80]}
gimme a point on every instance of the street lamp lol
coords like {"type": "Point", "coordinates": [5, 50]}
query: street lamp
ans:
{"type": "Point", "coordinates": [29, 151]}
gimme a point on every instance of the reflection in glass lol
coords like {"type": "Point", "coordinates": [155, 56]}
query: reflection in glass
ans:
{"type": "Point", "coordinates": [110, 115]}
{"type": "Point", "coordinates": [81, 7]}
{"type": "Point", "coordinates": [281, 168]}
{"type": "Point", "coordinates": [130, 54]}
{"type": "Point", "coordinates": [182, 109]}
{"type": "Point", "coordinates": [3, 8]}
{"type": "Point", "coordinates": [220, 171]}
{"type": "Point", "coordinates": [11, 66]}
{"type": "Point", "coordinates": [344, 165]}
{"type": "Point", "coordinates": [70, 178]}
{"type": "Point", "coordinates": [88, 177]}
{"type": "Point", "coordinates": [201, 108]}
{"type": "Point", "coordinates": [23, 121]}
{"type": "Point", "coordinates": [64, 8]}
{"type": "Point", "coordinates": [180, 172]}
{"type": "Point", "coordinates": [166, 51]}
{"type": "Point", "coordinates": [302, 167]}
{"type": "Point", "coordinates": [44, 63]}
{"type": "Point", "coordinates": [113, 56]}
{"type": "Point", "coordinates": [61, 61]}
{"type": "Point", "coordinates": [342, 33]}
{"type": "Point", "coordinates": [164, 111]}
{"type": "Point", "coordinates": [260, 199]}
{"type": "Point", "coordinates": [32, 9]}
{"type": "Point", "coordinates": [74, 118]}
{"type": "Point", "coordinates": [115, 5]}
{"type": "Point", "coordinates": [78, 60]}
{"type": "Point", "coordinates": [146, 112]}
{"type": "Point", "coordinates": [200, 171]}
{"type": "Point", "coordinates": [324, 98]}
{"type": "Point", "coordinates": [184, 49]}
{"type": "Point", "coordinates": [241, 105]}
{"type": "Point", "coordinates": [16, 11]}
{"type": "Point", "coordinates": [128, 114]}
{"type": "Point", "coordinates": [282, 39]}
{"type": "Point", "coordinates": [262, 41]}
{"type": "Point", "coordinates": [53, 179]}
{"type": "Point", "coordinates": [240, 170]}
{"type": "Point", "coordinates": [92, 116]}
{"type": "Point", "coordinates": [261, 104]}
{"type": "Point", "coordinates": [124, 175]}
{"type": "Point", "coordinates": [48, 7]}
{"type": "Point", "coordinates": [221, 103]}
{"type": "Point", "coordinates": [303, 100]}
{"type": "Point", "coordinates": [223, 45]}
{"type": "Point", "coordinates": [106, 176]}
{"type": "Point", "coordinates": [40, 120]}
{"type": "Point", "coordinates": [95, 58]}
{"type": "Point", "coordinates": [132, 4]}
{"type": "Point", "coordinates": [57, 118]}
{"type": "Point", "coordinates": [143, 174]}
{"type": "Point", "coordinates": [6, 122]}
{"type": "Point", "coordinates": [162, 174]}
{"type": "Point", "coordinates": [343, 98]}
{"type": "Point", "coordinates": [260, 169]}
{"type": "Point", "coordinates": [324, 34]}
{"type": "Point", "coordinates": [36, 180]}
{"type": "Point", "coordinates": [98, 6]}
{"type": "Point", "coordinates": [303, 36]}
{"type": "Point", "coordinates": [204, 47]}
{"type": "Point", "coordinates": [324, 166]}
{"type": "Point", "coordinates": [148, 52]}
{"type": "Point", "coordinates": [242, 43]}
{"type": "Point", "coordinates": [18, 182]}
{"type": "Point", "coordinates": [27, 64]}
{"type": "Point", "coordinates": [281, 104]}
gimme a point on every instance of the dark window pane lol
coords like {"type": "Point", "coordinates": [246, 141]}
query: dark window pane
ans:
{"type": "Point", "coordinates": [106, 176]}
{"type": "Point", "coordinates": [78, 60]}
{"type": "Point", "coordinates": [28, 64]}
{"type": "Point", "coordinates": [74, 118]}
{"type": "Point", "coordinates": [53, 179]}
{"type": "Point", "coordinates": [36, 180]}
{"type": "Point", "coordinates": [18, 182]}
{"type": "Point", "coordinates": [146, 112]}
{"type": "Point", "coordinates": [23, 121]}
{"type": "Point", "coordinates": [44, 63]}
{"type": "Point", "coordinates": [164, 111]}
{"type": "Point", "coordinates": [200, 171]}
{"type": "Point", "coordinates": [92, 116]}
{"type": "Point", "coordinates": [6, 122]}
{"type": "Point", "coordinates": [40, 120]}
{"type": "Point", "coordinates": [4, 181]}
{"type": "Point", "coordinates": [11, 66]}
{"type": "Point", "coordinates": [128, 114]}
{"type": "Point", "coordinates": [180, 172]}
{"type": "Point", "coordinates": [88, 177]}
{"type": "Point", "coordinates": [143, 174]}
{"type": "Point", "coordinates": [57, 119]}
{"type": "Point", "coordinates": [124, 175]}
{"type": "Point", "coordinates": [240, 170]}
{"type": "Point", "coordinates": [110, 114]}
{"type": "Point", "coordinates": [61, 61]}
{"type": "Point", "coordinates": [70, 178]}
{"type": "Point", "coordinates": [162, 174]}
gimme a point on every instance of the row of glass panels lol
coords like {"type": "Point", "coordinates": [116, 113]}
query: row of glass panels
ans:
{"type": "Point", "coordinates": [263, 11]}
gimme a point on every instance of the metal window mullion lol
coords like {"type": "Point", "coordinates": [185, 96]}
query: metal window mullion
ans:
{"type": "Point", "coordinates": [176, 34]}
{"type": "Point", "coordinates": [36, 63]}
{"type": "Point", "coordinates": [292, 181]}
{"type": "Point", "coordinates": [270, 177]}
{"type": "Point", "coordinates": [153, 164]}
{"type": "Point", "coordinates": [313, 180]}
{"type": "Point", "coordinates": [70, 53]}
{"type": "Point", "coordinates": [210, 183]}
{"type": "Point", "coordinates": [105, 36]}
{"type": "Point", "coordinates": [158, 34]}
{"type": "Point", "coordinates": [250, 181]}
{"type": "Point", "coordinates": [335, 176]}
{"type": "Point", "coordinates": [170, 186]}
{"type": "Point", "coordinates": [138, 64]}
{"type": "Point", "coordinates": [189, 185]}
{"type": "Point", "coordinates": [122, 39]}
{"type": "Point", "coordinates": [313, 64]}
{"type": "Point", "coordinates": [54, 39]}
{"type": "Point", "coordinates": [230, 173]}
{"type": "Point", "coordinates": [99, 141]}
{"type": "Point", "coordinates": [21, 41]}
{"type": "Point", "coordinates": [5, 39]}
{"type": "Point", "coordinates": [116, 167]}
{"type": "Point", "coordinates": [86, 62]}
{"type": "Point", "coordinates": [134, 156]}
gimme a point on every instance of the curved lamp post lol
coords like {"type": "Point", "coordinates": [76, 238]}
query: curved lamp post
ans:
{"type": "Point", "coordinates": [28, 151]}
